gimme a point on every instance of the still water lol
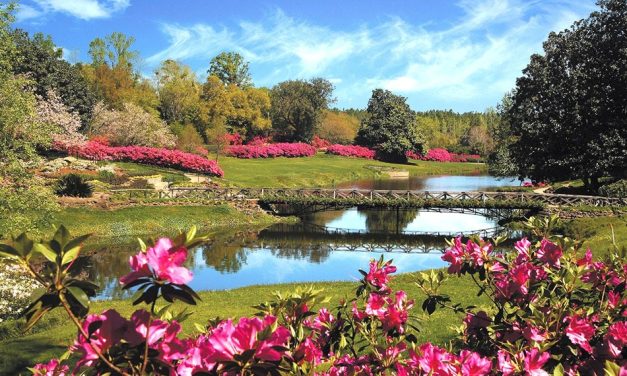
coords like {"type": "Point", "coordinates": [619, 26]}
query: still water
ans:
{"type": "Point", "coordinates": [329, 245]}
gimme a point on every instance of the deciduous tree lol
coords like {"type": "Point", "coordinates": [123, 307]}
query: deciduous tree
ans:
{"type": "Point", "coordinates": [231, 69]}
{"type": "Point", "coordinates": [298, 107]}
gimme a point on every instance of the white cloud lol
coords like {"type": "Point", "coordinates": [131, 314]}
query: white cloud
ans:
{"type": "Point", "coordinates": [83, 9]}
{"type": "Point", "coordinates": [469, 60]}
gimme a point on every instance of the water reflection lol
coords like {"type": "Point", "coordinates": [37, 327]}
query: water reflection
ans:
{"type": "Point", "coordinates": [329, 245]}
{"type": "Point", "coordinates": [461, 183]}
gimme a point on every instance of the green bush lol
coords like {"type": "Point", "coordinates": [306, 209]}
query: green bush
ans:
{"type": "Point", "coordinates": [73, 185]}
{"type": "Point", "coordinates": [615, 189]}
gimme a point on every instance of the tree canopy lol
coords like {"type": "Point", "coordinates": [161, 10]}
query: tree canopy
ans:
{"type": "Point", "coordinates": [298, 107]}
{"type": "Point", "coordinates": [231, 69]}
{"type": "Point", "coordinates": [568, 115]}
{"type": "Point", "coordinates": [389, 127]}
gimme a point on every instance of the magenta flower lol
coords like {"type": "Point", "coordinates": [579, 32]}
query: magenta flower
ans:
{"type": "Point", "coordinates": [378, 276]}
{"type": "Point", "coordinates": [550, 253]}
{"type": "Point", "coordinates": [531, 333]}
{"type": "Point", "coordinates": [162, 261]}
{"type": "Point", "coordinates": [580, 331]}
{"type": "Point", "coordinates": [52, 368]}
{"type": "Point", "coordinates": [113, 328]}
{"type": "Point", "coordinates": [434, 360]}
{"type": "Point", "coordinates": [455, 256]}
{"type": "Point", "coordinates": [308, 352]}
{"type": "Point", "coordinates": [534, 361]}
{"type": "Point", "coordinates": [504, 363]}
{"type": "Point", "coordinates": [376, 305]}
{"type": "Point", "coordinates": [616, 338]}
{"type": "Point", "coordinates": [474, 364]}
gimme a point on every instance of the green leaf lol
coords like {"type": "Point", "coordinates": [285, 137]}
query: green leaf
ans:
{"type": "Point", "coordinates": [80, 295]}
{"type": "Point", "coordinates": [142, 245]}
{"type": "Point", "coordinates": [559, 370]}
{"type": "Point", "coordinates": [191, 234]}
{"type": "Point", "coordinates": [23, 244]}
{"type": "Point", "coordinates": [76, 242]}
{"type": "Point", "coordinates": [8, 251]}
{"type": "Point", "coordinates": [70, 255]}
{"type": "Point", "coordinates": [45, 251]}
{"type": "Point", "coordinates": [62, 236]}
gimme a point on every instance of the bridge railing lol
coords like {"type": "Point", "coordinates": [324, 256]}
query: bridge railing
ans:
{"type": "Point", "coordinates": [279, 194]}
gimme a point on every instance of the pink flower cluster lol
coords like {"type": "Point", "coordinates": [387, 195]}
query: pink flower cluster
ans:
{"type": "Point", "coordinates": [521, 281]}
{"type": "Point", "coordinates": [289, 150]}
{"type": "Point", "coordinates": [443, 155]}
{"type": "Point", "coordinates": [320, 143]}
{"type": "Point", "coordinates": [351, 151]}
{"type": "Point", "coordinates": [163, 262]}
{"type": "Point", "coordinates": [372, 334]}
{"type": "Point", "coordinates": [143, 154]}
{"type": "Point", "coordinates": [534, 184]}
{"type": "Point", "coordinates": [211, 352]}
{"type": "Point", "coordinates": [233, 139]}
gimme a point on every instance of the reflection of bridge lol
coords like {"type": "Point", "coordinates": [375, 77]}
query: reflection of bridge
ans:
{"type": "Point", "coordinates": [306, 236]}
{"type": "Point", "coordinates": [380, 198]}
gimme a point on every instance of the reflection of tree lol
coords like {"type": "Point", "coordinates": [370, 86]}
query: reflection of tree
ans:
{"type": "Point", "coordinates": [388, 220]}
{"type": "Point", "coordinates": [225, 256]}
{"type": "Point", "coordinates": [322, 217]}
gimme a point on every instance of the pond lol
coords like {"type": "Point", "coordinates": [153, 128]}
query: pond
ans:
{"type": "Point", "coordinates": [325, 246]}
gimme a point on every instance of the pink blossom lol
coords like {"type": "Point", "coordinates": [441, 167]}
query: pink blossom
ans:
{"type": "Point", "coordinates": [522, 246]}
{"type": "Point", "coordinates": [378, 276]}
{"type": "Point", "coordinates": [308, 351]}
{"type": "Point", "coordinates": [290, 150]}
{"type": "Point", "coordinates": [112, 328]}
{"type": "Point", "coordinates": [532, 333]}
{"type": "Point", "coordinates": [580, 331]}
{"type": "Point", "coordinates": [376, 305]}
{"type": "Point", "coordinates": [434, 360]}
{"type": "Point", "coordinates": [616, 338]}
{"type": "Point", "coordinates": [550, 253]}
{"type": "Point", "coordinates": [474, 364]}
{"type": "Point", "coordinates": [52, 368]}
{"type": "Point", "coordinates": [454, 255]}
{"type": "Point", "coordinates": [504, 363]}
{"type": "Point", "coordinates": [534, 361]}
{"type": "Point", "coordinates": [163, 261]}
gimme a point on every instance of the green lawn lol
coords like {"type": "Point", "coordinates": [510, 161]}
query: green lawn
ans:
{"type": "Point", "coordinates": [151, 220]}
{"type": "Point", "coordinates": [325, 170]}
{"type": "Point", "coordinates": [598, 233]}
{"type": "Point", "coordinates": [51, 337]}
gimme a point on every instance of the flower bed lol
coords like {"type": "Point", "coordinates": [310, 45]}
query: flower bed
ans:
{"type": "Point", "coordinates": [142, 154]}
{"type": "Point", "coordinates": [320, 143]}
{"type": "Point", "coordinates": [351, 151]}
{"type": "Point", "coordinates": [289, 150]}
{"type": "Point", "coordinates": [550, 311]}
{"type": "Point", "coordinates": [443, 155]}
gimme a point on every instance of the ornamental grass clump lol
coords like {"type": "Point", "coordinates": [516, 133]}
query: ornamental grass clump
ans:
{"type": "Point", "coordinates": [552, 311]}
{"type": "Point", "coordinates": [73, 185]}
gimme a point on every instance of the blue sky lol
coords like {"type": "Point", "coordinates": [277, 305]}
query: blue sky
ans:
{"type": "Point", "coordinates": [461, 55]}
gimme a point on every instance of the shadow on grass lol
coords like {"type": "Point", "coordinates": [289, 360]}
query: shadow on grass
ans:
{"type": "Point", "coordinates": [16, 354]}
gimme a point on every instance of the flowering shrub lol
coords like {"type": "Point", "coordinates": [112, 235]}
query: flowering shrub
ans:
{"type": "Point", "coordinates": [351, 151]}
{"type": "Point", "coordinates": [142, 154]}
{"type": "Point", "coordinates": [552, 312]}
{"type": "Point", "coordinates": [16, 288]}
{"type": "Point", "coordinates": [290, 150]}
{"type": "Point", "coordinates": [233, 139]}
{"type": "Point", "coordinates": [320, 143]}
{"type": "Point", "coordinates": [443, 155]}
{"type": "Point", "coordinates": [534, 184]}
{"type": "Point", "coordinates": [259, 141]}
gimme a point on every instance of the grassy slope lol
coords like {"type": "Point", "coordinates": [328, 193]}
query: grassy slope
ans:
{"type": "Point", "coordinates": [150, 220]}
{"type": "Point", "coordinates": [599, 233]}
{"type": "Point", "coordinates": [52, 337]}
{"type": "Point", "coordinates": [324, 170]}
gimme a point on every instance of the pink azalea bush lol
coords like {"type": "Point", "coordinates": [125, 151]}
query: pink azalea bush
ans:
{"type": "Point", "coordinates": [289, 150]}
{"type": "Point", "coordinates": [98, 151]}
{"type": "Point", "coordinates": [320, 143]}
{"type": "Point", "coordinates": [351, 151]}
{"type": "Point", "coordinates": [443, 155]}
{"type": "Point", "coordinates": [552, 312]}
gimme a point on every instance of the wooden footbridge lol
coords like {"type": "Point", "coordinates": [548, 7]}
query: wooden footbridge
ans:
{"type": "Point", "coordinates": [376, 198]}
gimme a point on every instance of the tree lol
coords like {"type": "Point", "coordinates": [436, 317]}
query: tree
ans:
{"type": "Point", "coordinates": [52, 113]}
{"type": "Point", "coordinates": [389, 127]}
{"type": "Point", "coordinates": [179, 93]}
{"type": "Point", "coordinates": [298, 107]}
{"type": "Point", "coordinates": [231, 69]}
{"type": "Point", "coordinates": [131, 126]}
{"type": "Point", "coordinates": [114, 50]}
{"type": "Point", "coordinates": [338, 127]}
{"type": "Point", "coordinates": [250, 111]}
{"type": "Point", "coordinates": [112, 76]}
{"type": "Point", "coordinates": [25, 202]}
{"type": "Point", "coordinates": [569, 110]}
{"type": "Point", "coordinates": [42, 62]}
